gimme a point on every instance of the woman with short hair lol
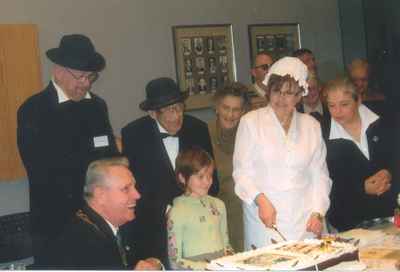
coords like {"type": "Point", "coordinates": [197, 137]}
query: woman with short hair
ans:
{"type": "Point", "coordinates": [359, 157]}
{"type": "Point", "coordinates": [231, 102]}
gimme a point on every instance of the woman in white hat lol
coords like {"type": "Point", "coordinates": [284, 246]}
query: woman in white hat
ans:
{"type": "Point", "coordinates": [279, 163]}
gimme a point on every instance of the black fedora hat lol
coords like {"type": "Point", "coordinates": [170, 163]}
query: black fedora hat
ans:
{"type": "Point", "coordinates": [76, 51]}
{"type": "Point", "coordinates": [162, 92]}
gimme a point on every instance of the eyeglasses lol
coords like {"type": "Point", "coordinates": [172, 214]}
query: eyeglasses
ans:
{"type": "Point", "coordinates": [265, 67]}
{"type": "Point", "coordinates": [178, 108]}
{"type": "Point", "coordinates": [286, 94]}
{"type": "Point", "coordinates": [92, 77]}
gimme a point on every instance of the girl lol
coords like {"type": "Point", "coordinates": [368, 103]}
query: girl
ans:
{"type": "Point", "coordinates": [197, 228]}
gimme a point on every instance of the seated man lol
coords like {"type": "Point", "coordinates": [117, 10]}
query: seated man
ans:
{"type": "Point", "coordinates": [92, 240]}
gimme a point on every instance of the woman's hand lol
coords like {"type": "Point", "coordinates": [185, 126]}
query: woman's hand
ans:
{"type": "Point", "coordinates": [315, 224]}
{"type": "Point", "coordinates": [266, 211]}
{"type": "Point", "coordinates": [378, 183]}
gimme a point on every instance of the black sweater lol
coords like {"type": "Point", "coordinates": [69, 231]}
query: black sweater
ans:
{"type": "Point", "coordinates": [348, 169]}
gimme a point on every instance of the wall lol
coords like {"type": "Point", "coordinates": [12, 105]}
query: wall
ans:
{"type": "Point", "coordinates": [135, 36]}
{"type": "Point", "coordinates": [352, 29]}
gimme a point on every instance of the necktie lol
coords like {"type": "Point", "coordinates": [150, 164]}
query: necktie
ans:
{"type": "Point", "coordinates": [121, 248]}
{"type": "Point", "coordinates": [164, 135]}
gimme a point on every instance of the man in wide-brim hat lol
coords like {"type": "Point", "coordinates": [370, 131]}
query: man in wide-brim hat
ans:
{"type": "Point", "coordinates": [60, 130]}
{"type": "Point", "coordinates": [152, 144]}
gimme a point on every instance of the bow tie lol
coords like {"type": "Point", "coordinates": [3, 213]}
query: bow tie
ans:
{"type": "Point", "coordinates": [164, 135]}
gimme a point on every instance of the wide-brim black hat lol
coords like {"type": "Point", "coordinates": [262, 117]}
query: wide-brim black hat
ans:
{"type": "Point", "coordinates": [77, 52]}
{"type": "Point", "coordinates": [162, 92]}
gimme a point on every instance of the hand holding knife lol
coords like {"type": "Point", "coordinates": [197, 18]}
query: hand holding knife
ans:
{"type": "Point", "coordinates": [277, 231]}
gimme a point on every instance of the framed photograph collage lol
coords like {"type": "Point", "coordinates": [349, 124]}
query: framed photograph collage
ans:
{"type": "Point", "coordinates": [204, 55]}
{"type": "Point", "coordinates": [278, 40]}
{"type": "Point", "coordinates": [204, 61]}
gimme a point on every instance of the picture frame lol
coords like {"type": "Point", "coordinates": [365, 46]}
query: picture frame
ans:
{"type": "Point", "coordinates": [204, 60]}
{"type": "Point", "coordinates": [277, 40]}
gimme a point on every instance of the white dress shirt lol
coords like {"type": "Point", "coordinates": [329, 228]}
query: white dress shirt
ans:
{"type": "Point", "coordinates": [113, 228]}
{"type": "Point", "coordinates": [171, 145]}
{"type": "Point", "coordinates": [62, 97]}
{"type": "Point", "coordinates": [318, 108]}
{"type": "Point", "coordinates": [367, 118]}
{"type": "Point", "coordinates": [289, 169]}
{"type": "Point", "coordinates": [260, 91]}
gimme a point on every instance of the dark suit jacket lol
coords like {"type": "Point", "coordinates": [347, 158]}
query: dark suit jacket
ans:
{"type": "Point", "coordinates": [87, 243]}
{"type": "Point", "coordinates": [155, 178]}
{"type": "Point", "coordinates": [316, 115]}
{"type": "Point", "coordinates": [56, 143]}
{"type": "Point", "coordinates": [348, 169]}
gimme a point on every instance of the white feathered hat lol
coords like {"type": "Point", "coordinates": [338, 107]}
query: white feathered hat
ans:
{"type": "Point", "coordinates": [291, 66]}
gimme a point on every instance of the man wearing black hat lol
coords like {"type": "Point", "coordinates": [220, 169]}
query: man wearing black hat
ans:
{"type": "Point", "coordinates": [60, 130]}
{"type": "Point", "coordinates": [151, 144]}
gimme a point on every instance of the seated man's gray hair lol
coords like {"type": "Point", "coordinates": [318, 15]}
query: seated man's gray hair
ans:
{"type": "Point", "coordinates": [96, 174]}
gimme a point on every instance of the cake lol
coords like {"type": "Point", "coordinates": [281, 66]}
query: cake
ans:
{"type": "Point", "coordinates": [310, 254]}
{"type": "Point", "coordinates": [364, 236]}
{"type": "Point", "coordinates": [380, 258]}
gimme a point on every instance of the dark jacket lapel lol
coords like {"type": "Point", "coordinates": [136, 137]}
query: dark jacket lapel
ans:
{"type": "Point", "coordinates": [99, 223]}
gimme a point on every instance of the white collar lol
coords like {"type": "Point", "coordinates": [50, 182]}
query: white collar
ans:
{"type": "Point", "coordinates": [113, 228]}
{"type": "Point", "coordinates": [318, 108]}
{"type": "Point", "coordinates": [292, 133]}
{"type": "Point", "coordinates": [61, 94]}
{"type": "Point", "coordinates": [160, 127]}
{"type": "Point", "coordinates": [367, 118]}
{"type": "Point", "coordinates": [260, 91]}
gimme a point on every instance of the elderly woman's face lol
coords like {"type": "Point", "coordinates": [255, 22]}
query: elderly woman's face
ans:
{"type": "Point", "coordinates": [229, 110]}
{"type": "Point", "coordinates": [342, 106]}
{"type": "Point", "coordinates": [285, 99]}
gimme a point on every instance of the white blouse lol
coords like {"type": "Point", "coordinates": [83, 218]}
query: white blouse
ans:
{"type": "Point", "coordinates": [289, 169]}
{"type": "Point", "coordinates": [367, 118]}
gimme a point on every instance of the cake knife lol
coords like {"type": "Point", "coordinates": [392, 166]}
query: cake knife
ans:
{"type": "Point", "coordinates": [277, 231]}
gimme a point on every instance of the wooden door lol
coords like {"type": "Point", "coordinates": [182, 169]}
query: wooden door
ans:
{"type": "Point", "coordinates": [20, 77]}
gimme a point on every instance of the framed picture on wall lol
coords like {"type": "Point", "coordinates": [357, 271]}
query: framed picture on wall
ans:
{"type": "Point", "coordinates": [204, 60]}
{"type": "Point", "coordinates": [278, 40]}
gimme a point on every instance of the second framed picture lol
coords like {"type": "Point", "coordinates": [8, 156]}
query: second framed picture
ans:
{"type": "Point", "coordinates": [277, 40]}
{"type": "Point", "coordinates": [204, 60]}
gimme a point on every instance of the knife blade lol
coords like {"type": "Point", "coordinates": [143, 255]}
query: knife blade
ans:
{"type": "Point", "coordinates": [277, 231]}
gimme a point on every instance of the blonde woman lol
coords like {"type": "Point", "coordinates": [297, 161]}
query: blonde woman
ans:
{"type": "Point", "coordinates": [359, 157]}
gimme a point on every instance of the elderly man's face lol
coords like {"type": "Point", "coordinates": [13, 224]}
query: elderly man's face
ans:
{"type": "Point", "coordinates": [170, 117]}
{"type": "Point", "coordinates": [74, 83]}
{"type": "Point", "coordinates": [261, 66]}
{"type": "Point", "coordinates": [313, 96]}
{"type": "Point", "coordinates": [359, 77]}
{"type": "Point", "coordinates": [309, 61]}
{"type": "Point", "coordinates": [119, 196]}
